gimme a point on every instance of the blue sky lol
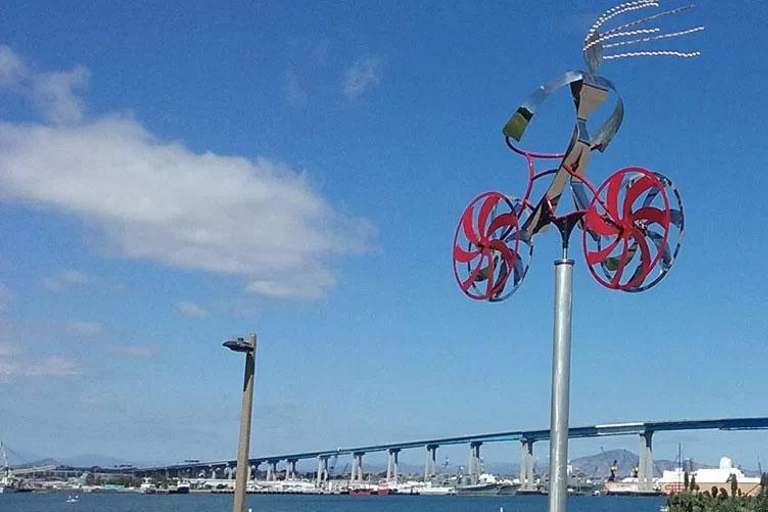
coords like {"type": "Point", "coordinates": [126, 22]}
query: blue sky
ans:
{"type": "Point", "coordinates": [173, 175]}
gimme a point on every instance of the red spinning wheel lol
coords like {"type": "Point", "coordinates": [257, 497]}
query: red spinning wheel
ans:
{"type": "Point", "coordinates": [486, 248]}
{"type": "Point", "coordinates": [630, 227]}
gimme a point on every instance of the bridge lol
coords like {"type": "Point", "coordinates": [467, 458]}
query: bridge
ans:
{"type": "Point", "coordinates": [645, 430]}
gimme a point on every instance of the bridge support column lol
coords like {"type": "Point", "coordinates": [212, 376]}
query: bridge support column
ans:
{"type": "Point", "coordinates": [271, 470]}
{"type": "Point", "coordinates": [526, 466]}
{"type": "Point", "coordinates": [393, 457]}
{"type": "Point", "coordinates": [357, 468]}
{"type": "Point", "coordinates": [360, 467]}
{"type": "Point", "coordinates": [474, 460]}
{"type": "Point", "coordinates": [645, 467]}
{"type": "Point", "coordinates": [291, 472]}
{"type": "Point", "coordinates": [430, 465]}
{"type": "Point", "coordinates": [322, 470]}
{"type": "Point", "coordinates": [213, 473]}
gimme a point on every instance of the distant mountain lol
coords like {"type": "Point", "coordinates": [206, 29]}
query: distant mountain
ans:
{"type": "Point", "coordinates": [87, 460]}
{"type": "Point", "coordinates": [599, 465]}
{"type": "Point", "coordinates": [93, 459]}
{"type": "Point", "coordinates": [16, 458]}
{"type": "Point", "coordinates": [34, 463]}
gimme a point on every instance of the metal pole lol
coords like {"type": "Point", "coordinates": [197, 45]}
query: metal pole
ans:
{"type": "Point", "coordinates": [245, 427]}
{"type": "Point", "coordinates": [561, 377]}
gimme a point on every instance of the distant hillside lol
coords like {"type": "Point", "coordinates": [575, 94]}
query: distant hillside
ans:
{"type": "Point", "coordinates": [17, 458]}
{"type": "Point", "coordinates": [34, 463]}
{"type": "Point", "coordinates": [599, 465]}
{"type": "Point", "coordinates": [88, 460]}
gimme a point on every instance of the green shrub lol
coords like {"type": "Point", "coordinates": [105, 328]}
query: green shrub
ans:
{"type": "Point", "coordinates": [717, 501]}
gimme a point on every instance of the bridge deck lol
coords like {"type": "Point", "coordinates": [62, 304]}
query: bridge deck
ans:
{"type": "Point", "coordinates": [614, 429]}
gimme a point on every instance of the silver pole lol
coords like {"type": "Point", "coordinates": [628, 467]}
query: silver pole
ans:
{"type": "Point", "coordinates": [241, 481]}
{"type": "Point", "coordinates": [561, 377]}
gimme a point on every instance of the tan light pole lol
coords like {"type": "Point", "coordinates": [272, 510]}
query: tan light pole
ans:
{"type": "Point", "coordinates": [241, 482]}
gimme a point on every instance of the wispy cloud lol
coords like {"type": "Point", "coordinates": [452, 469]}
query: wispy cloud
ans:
{"type": "Point", "coordinates": [49, 366]}
{"type": "Point", "coordinates": [258, 219]}
{"type": "Point", "coordinates": [65, 279]}
{"type": "Point", "coordinates": [321, 50]}
{"type": "Point", "coordinates": [361, 76]}
{"type": "Point", "coordinates": [295, 94]}
{"type": "Point", "coordinates": [139, 351]}
{"type": "Point", "coordinates": [84, 329]}
{"type": "Point", "coordinates": [12, 68]}
{"type": "Point", "coordinates": [6, 297]}
{"type": "Point", "coordinates": [191, 309]}
{"type": "Point", "coordinates": [55, 94]}
{"type": "Point", "coordinates": [8, 349]}
{"type": "Point", "coordinates": [17, 361]}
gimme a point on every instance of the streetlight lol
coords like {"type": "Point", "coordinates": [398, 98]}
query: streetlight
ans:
{"type": "Point", "coordinates": [249, 348]}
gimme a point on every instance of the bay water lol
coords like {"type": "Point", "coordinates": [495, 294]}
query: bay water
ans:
{"type": "Point", "coordinates": [129, 502]}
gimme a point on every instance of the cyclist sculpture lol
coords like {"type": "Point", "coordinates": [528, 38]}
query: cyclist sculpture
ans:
{"type": "Point", "coordinates": [632, 224]}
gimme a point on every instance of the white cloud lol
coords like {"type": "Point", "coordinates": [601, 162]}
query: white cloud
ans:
{"type": "Point", "coordinates": [85, 329]}
{"type": "Point", "coordinates": [142, 351]}
{"type": "Point", "coordinates": [65, 279]}
{"type": "Point", "coordinates": [363, 74]}
{"type": "Point", "coordinates": [158, 200]}
{"type": "Point", "coordinates": [191, 309]}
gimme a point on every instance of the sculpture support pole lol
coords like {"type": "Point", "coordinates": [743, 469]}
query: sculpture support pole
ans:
{"type": "Point", "coordinates": [561, 377]}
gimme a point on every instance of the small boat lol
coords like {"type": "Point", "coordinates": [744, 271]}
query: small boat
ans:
{"type": "Point", "coordinates": [181, 487]}
{"type": "Point", "coordinates": [70, 499]}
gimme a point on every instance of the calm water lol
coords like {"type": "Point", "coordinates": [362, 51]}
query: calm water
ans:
{"type": "Point", "coordinates": [262, 503]}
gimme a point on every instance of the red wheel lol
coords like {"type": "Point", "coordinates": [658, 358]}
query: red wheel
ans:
{"type": "Point", "coordinates": [633, 229]}
{"type": "Point", "coordinates": [487, 259]}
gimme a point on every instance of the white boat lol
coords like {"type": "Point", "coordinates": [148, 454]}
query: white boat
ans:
{"type": "Point", "coordinates": [181, 487]}
{"type": "Point", "coordinates": [147, 487]}
{"type": "Point", "coordinates": [436, 490]}
{"type": "Point", "coordinates": [487, 484]}
{"type": "Point", "coordinates": [70, 499]}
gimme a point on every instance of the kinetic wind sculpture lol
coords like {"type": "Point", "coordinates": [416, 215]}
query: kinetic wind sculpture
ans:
{"type": "Point", "coordinates": [632, 224]}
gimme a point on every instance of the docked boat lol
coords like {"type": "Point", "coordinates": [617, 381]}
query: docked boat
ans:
{"type": "Point", "coordinates": [147, 487]}
{"type": "Point", "coordinates": [436, 490]}
{"type": "Point", "coordinates": [181, 487]}
{"type": "Point", "coordinates": [487, 485]}
{"type": "Point", "coordinates": [8, 483]}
